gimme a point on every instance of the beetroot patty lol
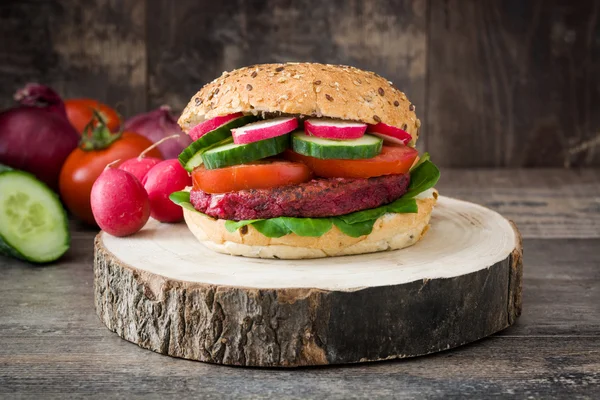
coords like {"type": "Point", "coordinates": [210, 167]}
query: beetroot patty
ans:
{"type": "Point", "coordinates": [317, 198]}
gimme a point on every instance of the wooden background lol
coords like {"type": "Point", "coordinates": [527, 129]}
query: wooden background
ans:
{"type": "Point", "coordinates": [511, 83]}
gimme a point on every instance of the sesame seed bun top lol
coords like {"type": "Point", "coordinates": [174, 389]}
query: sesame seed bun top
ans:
{"type": "Point", "coordinates": [318, 90]}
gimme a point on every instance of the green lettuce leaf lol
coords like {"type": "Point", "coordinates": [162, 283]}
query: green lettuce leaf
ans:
{"type": "Point", "coordinates": [403, 206]}
{"type": "Point", "coordinates": [357, 229]}
{"type": "Point", "coordinates": [180, 197]}
{"type": "Point", "coordinates": [363, 216]}
{"type": "Point", "coordinates": [272, 228]}
{"type": "Point", "coordinates": [307, 226]}
{"type": "Point", "coordinates": [424, 175]}
{"type": "Point", "coordinates": [424, 157]}
{"type": "Point", "coordinates": [233, 226]}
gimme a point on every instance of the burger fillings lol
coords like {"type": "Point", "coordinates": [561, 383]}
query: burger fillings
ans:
{"type": "Point", "coordinates": [304, 160]}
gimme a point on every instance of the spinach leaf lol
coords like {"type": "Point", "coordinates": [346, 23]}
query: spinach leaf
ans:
{"type": "Point", "coordinates": [402, 206]}
{"type": "Point", "coordinates": [233, 226]}
{"type": "Point", "coordinates": [307, 226]}
{"type": "Point", "coordinates": [180, 197]}
{"type": "Point", "coordinates": [424, 157]}
{"type": "Point", "coordinates": [354, 230]}
{"type": "Point", "coordinates": [272, 228]}
{"type": "Point", "coordinates": [364, 215]}
{"type": "Point", "coordinates": [424, 177]}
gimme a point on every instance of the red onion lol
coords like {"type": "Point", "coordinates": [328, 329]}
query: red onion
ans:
{"type": "Point", "coordinates": [36, 135]}
{"type": "Point", "coordinates": [156, 125]}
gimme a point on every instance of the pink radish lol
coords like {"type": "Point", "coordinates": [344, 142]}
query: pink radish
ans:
{"type": "Point", "coordinates": [262, 130]}
{"type": "Point", "coordinates": [140, 165]}
{"type": "Point", "coordinates": [163, 179]}
{"type": "Point", "coordinates": [211, 124]}
{"type": "Point", "coordinates": [119, 202]}
{"type": "Point", "coordinates": [330, 128]}
{"type": "Point", "coordinates": [389, 133]}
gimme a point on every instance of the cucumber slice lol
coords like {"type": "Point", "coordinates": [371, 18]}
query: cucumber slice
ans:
{"type": "Point", "coordinates": [33, 224]}
{"type": "Point", "coordinates": [190, 157]}
{"type": "Point", "coordinates": [234, 154]}
{"type": "Point", "coordinates": [367, 146]}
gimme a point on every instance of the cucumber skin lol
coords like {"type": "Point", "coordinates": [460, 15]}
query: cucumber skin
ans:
{"type": "Point", "coordinates": [6, 249]}
{"type": "Point", "coordinates": [246, 152]}
{"type": "Point", "coordinates": [211, 138]}
{"type": "Point", "coordinates": [197, 159]}
{"type": "Point", "coordinates": [4, 168]}
{"type": "Point", "coordinates": [340, 153]}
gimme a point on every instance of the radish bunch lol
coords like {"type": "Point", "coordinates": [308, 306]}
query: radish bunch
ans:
{"type": "Point", "coordinates": [124, 198]}
{"type": "Point", "coordinates": [140, 166]}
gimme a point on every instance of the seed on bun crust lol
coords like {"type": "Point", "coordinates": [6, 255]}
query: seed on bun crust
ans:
{"type": "Point", "coordinates": [318, 90]}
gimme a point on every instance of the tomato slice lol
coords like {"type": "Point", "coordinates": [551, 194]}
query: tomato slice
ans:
{"type": "Point", "coordinates": [256, 175]}
{"type": "Point", "coordinates": [391, 160]}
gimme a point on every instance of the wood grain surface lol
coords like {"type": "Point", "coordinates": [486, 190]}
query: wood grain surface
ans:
{"type": "Point", "coordinates": [166, 292]}
{"type": "Point", "coordinates": [199, 40]}
{"type": "Point", "coordinates": [545, 203]}
{"type": "Point", "coordinates": [53, 345]}
{"type": "Point", "coordinates": [501, 84]}
{"type": "Point", "coordinates": [514, 83]}
{"type": "Point", "coordinates": [81, 48]}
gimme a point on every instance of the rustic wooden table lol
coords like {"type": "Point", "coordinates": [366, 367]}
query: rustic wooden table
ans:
{"type": "Point", "coordinates": [53, 345]}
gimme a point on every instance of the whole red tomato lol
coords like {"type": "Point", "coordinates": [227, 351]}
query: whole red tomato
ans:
{"type": "Point", "coordinates": [86, 163]}
{"type": "Point", "coordinates": [81, 111]}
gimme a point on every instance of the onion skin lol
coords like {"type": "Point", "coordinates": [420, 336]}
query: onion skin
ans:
{"type": "Point", "coordinates": [156, 125]}
{"type": "Point", "coordinates": [42, 97]}
{"type": "Point", "coordinates": [36, 136]}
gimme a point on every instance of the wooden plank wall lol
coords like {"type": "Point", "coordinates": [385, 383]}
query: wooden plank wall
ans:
{"type": "Point", "coordinates": [507, 83]}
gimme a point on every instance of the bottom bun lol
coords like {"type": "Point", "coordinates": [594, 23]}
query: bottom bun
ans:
{"type": "Point", "coordinates": [390, 232]}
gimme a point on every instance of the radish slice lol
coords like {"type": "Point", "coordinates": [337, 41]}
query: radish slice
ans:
{"type": "Point", "coordinates": [262, 130]}
{"type": "Point", "coordinates": [330, 128]}
{"type": "Point", "coordinates": [210, 125]}
{"type": "Point", "coordinates": [390, 133]}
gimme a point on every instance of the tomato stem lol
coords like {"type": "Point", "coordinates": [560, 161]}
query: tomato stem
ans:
{"type": "Point", "coordinates": [96, 135]}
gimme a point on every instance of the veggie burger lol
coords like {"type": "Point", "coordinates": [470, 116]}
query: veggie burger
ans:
{"type": "Point", "coordinates": [302, 160]}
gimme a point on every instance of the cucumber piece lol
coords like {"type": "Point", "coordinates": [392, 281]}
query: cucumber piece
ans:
{"type": "Point", "coordinates": [33, 224]}
{"type": "Point", "coordinates": [234, 154]}
{"type": "Point", "coordinates": [190, 157]}
{"type": "Point", "coordinates": [367, 146]}
{"type": "Point", "coordinates": [197, 159]}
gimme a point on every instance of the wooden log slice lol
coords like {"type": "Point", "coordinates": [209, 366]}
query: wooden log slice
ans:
{"type": "Point", "coordinates": [164, 291]}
